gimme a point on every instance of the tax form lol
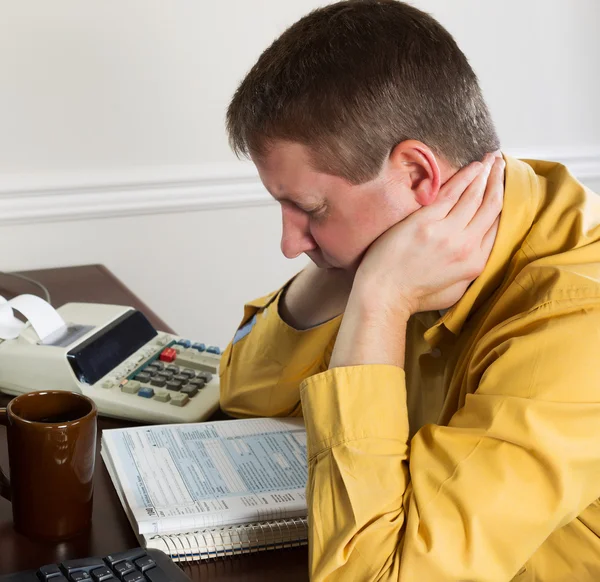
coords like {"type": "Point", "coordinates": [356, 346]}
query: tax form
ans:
{"type": "Point", "coordinates": [178, 477]}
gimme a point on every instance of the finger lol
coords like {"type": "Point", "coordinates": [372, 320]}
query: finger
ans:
{"type": "Point", "coordinates": [489, 238]}
{"type": "Point", "coordinates": [491, 206]}
{"type": "Point", "coordinates": [471, 199]}
{"type": "Point", "coordinates": [444, 298]}
{"type": "Point", "coordinates": [451, 191]}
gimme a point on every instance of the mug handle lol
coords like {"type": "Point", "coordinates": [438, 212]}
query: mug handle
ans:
{"type": "Point", "coordinates": [4, 482]}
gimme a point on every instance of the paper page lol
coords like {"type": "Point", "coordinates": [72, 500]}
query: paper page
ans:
{"type": "Point", "coordinates": [187, 476]}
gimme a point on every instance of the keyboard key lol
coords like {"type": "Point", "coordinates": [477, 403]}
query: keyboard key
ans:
{"type": "Point", "coordinates": [190, 390]}
{"type": "Point", "coordinates": [168, 355]}
{"type": "Point", "coordinates": [145, 563]}
{"type": "Point", "coordinates": [159, 381]}
{"type": "Point", "coordinates": [143, 377]}
{"type": "Point", "coordinates": [213, 350]}
{"type": "Point", "coordinates": [146, 392]}
{"type": "Point", "coordinates": [83, 564]}
{"type": "Point", "coordinates": [206, 376]}
{"type": "Point", "coordinates": [197, 382]}
{"type": "Point", "coordinates": [180, 378]}
{"type": "Point", "coordinates": [48, 571]}
{"type": "Point", "coordinates": [101, 574]}
{"type": "Point", "coordinates": [189, 373]}
{"type": "Point", "coordinates": [159, 365]}
{"type": "Point", "coordinates": [199, 347]}
{"type": "Point", "coordinates": [80, 576]}
{"type": "Point", "coordinates": [131, 387]}
{"type": "Point", "coordinates": [179, 399]}
{"type": "Point", "coordinates": [173, 368]}
{"type": "Point", "coordinates": [162, 396]}
{"type": "Point", "coordinates": [186, 343]}
{"type": "Point", "coordinates": [134, 576]}
{"type": "Point", "coordinates": [123, 568]}
{"type": "Point", "coordinates": [130, 555]}
{"type": "Point", "coordinates": [173, 385]}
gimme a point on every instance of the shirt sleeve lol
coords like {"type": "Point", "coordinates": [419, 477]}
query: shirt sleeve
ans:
{"type": "Point", "coordinates": [469, 501]}
{"type": "Point", "coordinates": [263, 366]}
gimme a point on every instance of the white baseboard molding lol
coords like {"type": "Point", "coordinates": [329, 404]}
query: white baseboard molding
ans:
{"type": "Point", "coordinates": [25, 199]}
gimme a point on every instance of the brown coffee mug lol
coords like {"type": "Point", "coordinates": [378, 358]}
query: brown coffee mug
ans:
{"type": "Point", "coordinates": [51, 454]}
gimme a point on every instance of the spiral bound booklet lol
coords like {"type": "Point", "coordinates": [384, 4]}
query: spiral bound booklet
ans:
{"type": "Point", "coordinates": [207, 490]}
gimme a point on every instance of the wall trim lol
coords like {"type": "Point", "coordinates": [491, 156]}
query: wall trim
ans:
{"type": "Point", "coordinates": [25, 199]}
{"type": "Point", "coordinates": [53, 198]}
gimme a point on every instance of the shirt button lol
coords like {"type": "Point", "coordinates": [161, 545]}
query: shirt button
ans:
{"type": "Point", "coordinates": [435, 353]}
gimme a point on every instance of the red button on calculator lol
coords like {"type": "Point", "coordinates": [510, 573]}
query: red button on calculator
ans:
{"type": "Point", "coordinates": [168, 355]}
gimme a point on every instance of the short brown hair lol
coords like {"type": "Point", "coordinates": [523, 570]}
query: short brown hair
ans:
{"type": "Point", "coordinates": [355, 78]}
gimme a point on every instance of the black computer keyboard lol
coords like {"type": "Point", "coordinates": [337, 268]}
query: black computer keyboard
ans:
{"type": "Point", "coordinates": [136, 565]}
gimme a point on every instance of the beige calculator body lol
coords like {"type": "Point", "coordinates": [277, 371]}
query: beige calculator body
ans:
{"type": "Point", "coordinates": [113, 354]}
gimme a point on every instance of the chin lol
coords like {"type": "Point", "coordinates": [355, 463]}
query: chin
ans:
{"type": "Point", "coordinates": [351, 267]}
{"type": "Point", "coordinates": [320, 262]}
{"type": "Point", "coordinates": [333, 265]}
{"type": "Point", "coordinates": [323, 262]}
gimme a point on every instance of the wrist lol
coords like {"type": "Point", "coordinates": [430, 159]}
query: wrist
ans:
{"type": "Point", "coordinates": [372, 332]}
{"type": "Point", "coordinates": [376, 300]}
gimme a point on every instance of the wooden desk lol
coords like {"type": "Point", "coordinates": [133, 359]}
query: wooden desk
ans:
{"type": "Point", "coordinates": [111, 531]}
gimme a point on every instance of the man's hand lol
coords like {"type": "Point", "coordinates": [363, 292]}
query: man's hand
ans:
{"type": "Point", "coordinates": [424, 262]}
{"type": "Point", "coordinates": [428, 260]}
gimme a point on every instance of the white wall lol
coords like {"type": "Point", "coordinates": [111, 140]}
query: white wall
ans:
{"type": "Point", "coordinates": [113, 149]}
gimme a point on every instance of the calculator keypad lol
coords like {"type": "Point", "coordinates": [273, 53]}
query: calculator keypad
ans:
{"type": "Point", "coordinates": [178, 373]}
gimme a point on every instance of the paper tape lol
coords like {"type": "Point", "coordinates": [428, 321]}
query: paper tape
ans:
{"type": "Point", "coordinates": [39, 313]}
{"type": "Point", "coordinates": [10, 326]}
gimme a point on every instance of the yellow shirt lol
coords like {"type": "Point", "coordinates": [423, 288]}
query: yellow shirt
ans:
{"type": "Point", "coordinates": [481, 460]}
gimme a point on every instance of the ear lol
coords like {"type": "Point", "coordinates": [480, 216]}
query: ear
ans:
{"type": "Point", "coordinates": [418, 169]}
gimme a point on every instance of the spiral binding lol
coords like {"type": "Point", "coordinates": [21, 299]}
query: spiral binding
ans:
{"type": "Point", "coordinates": [233, 540]}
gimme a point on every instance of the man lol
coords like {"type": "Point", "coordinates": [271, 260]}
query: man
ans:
{"type": "Point", "coordinates": [453, 412]}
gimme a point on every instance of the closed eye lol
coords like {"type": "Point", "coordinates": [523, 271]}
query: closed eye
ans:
{"type": "Point", "coordinates": [315, 213]}
{"type": "Point", "coordinates": [319, 213]}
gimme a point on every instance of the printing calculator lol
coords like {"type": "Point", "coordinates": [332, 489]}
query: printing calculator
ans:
{"type": "Point", "coordinates": [113, 354]}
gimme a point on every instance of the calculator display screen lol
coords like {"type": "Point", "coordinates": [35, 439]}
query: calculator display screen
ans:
{"type": "Point", "coordinates": [105, 350]}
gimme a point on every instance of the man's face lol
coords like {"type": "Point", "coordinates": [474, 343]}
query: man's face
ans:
{"type": "Point", "coordinates": [330, 220]}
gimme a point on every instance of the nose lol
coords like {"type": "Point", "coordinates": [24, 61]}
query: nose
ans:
{"type": "Point", "coordinates": [295, 237]}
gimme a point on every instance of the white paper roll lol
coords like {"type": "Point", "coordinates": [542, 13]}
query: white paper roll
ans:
{"type": "Point", "coordinates": [10, 326]}
{"type": "Point", "coordinates": [39, 313]}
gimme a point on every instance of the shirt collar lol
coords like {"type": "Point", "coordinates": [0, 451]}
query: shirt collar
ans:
{"type": "Point", "coordinates": [522, 196]}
